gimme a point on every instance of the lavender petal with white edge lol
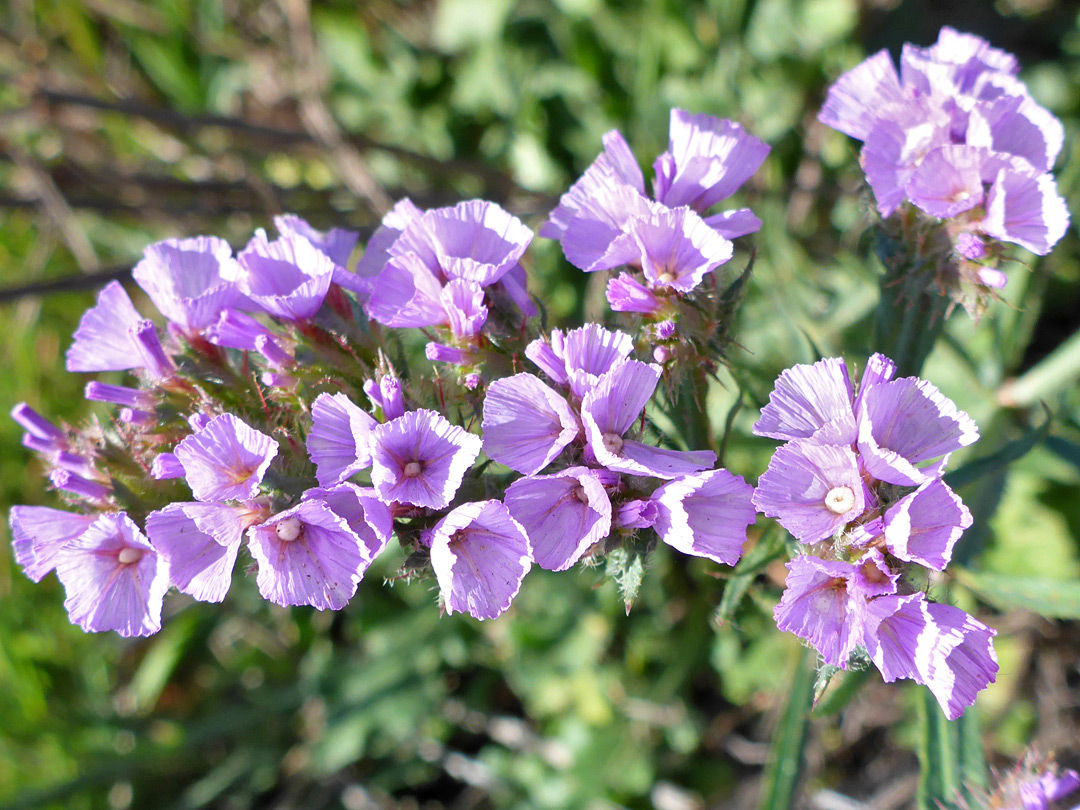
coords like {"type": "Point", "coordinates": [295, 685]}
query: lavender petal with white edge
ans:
{"type": "Point", "coordinates": [947, 182]}
{"type": "Point", "coordinates": [376, 252]}
{"type": "Point", "coordinates": [705, 515]}
{"type": "Point", "coordinates": [936, 645]}
{"type": "Point", "coordinates": [813, 490]}
{"type": "Point", "coordinates": [308, 555]}
{"type": "Point", "coordinates": [707, 160]}
{"type": "Point", "coordinates": [114, 578]}
{"type": "Point", "coordinates": [908, 422]}
{"type": "Point", "coordinates": [226, 459]}
{"type": "Point", "coordinates": [339, 437]}
{"type": "Point", "coordinates": [1025, 210]}
{"type": "Point", "coordinates": [474, 240]}
{"type": "Point", "coordinates": [854, 98]}
{"type": "Point", "coordinates": [675, 248]}
{"type": "Point", "coordinates": [526, 425]}
{"type": "Point", "coordinates": [39, 533]}
{"type": "Point", "coordinates": [879, 369]}
{"type": "Point", "coordinates": [816, 606]}
{"type": "Point", "coordinates": [480, 555]}
{"type": "Point", "coordinates": [612, 406]}
{"type": "Point", "coordinates": [199, 541]}
{"type": "Point", "coordinates": [924, 526]}
{"type": "Point", "coordinates": [547, 359]}
{"type": "Point", "coordinates": [734, 223]}
{"type": "Point", "coordinates": [614, 168]}
{"type": "Point", "coordinates": [463, 303]}
{"type": "Point", "coordinates": [626, 294]}
{"type": "Point", "coordinates": [361, 508]}
{"type": "Point", "coordinates": [408, 293]}
{"type": "Point", "coordinates": [102, 341]}
{"type": "Point", "coordinates": [336, 243]}
{"type": "Point", "coordinates": [420, 459]}
{"type": "Point", "coordinates": [564, 515]}
{"type": "Point", "coordinates": [287, 278]}
{"type": "Point", "coordinates": [589, 352]}
{"type": "Point", "coordinates": [805, 399]}
{"type": "Point", "coordinates": [191, 281]}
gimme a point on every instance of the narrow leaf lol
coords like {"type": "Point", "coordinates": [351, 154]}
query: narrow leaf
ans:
{"type": "Point", "coordinates": [1055, 599]}
{"type": "Point", "coordinates": [996, 462]}
{"type": "Point", "coordinates": [789, 739]}
{"type": "Point", "coordinates": [768, 548]}
{"type": "Point", "coordinates": [939, 765]}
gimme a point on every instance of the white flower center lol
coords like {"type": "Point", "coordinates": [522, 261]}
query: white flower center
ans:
{"type": "Point", "coordinates": [613, 443]}
{"type": "Point", "coordinates": [840, 500]}
{"type": "Point", "coordinates": [288, 529]}
{"type": "Point", "coordinates": [129, 555]}
{"type": "Point", "coordinates": [666, 277]}
{"type": "Point", "coordinates": [412, 469]}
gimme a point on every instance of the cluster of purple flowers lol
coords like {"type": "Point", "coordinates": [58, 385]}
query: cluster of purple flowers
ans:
{"type": "Point", "coordinates": [587, 422]}
{"type": "Point", "coordinates": [275, 304]}
{"type": "Point", "coordinates": [859, 481]}
{"type": "Point", "coordinates": [668, 242]}
{"type": "Point", "coordinates": [249, 399]}
{"type": "Point", "coordinates": [959, 136]}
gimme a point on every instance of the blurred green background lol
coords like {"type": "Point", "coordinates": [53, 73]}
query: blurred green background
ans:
{"type": "Point", "coordinates": [123, 122]}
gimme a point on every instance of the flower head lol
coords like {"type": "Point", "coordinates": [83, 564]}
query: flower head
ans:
{"type": "Point", "coordinates": [420, 459]}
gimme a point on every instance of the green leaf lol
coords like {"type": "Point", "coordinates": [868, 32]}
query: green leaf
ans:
{"type": "Point", "coordinates": [996, 462]}
{"type": "Point", "coordinates": [837, 700]}
{"type": "Point", "coordinates": [1055, 599]}
{"type": "Point", "coordinates": [626, 565]}
{"type": "Point", "coordinates": [952, 762]}
{"type": "Point", "coordinates": [786, 753]}
{"type": "Point", "coordinates": [939, 765]}
{"type": "Point", "coordinates": [767, 549]}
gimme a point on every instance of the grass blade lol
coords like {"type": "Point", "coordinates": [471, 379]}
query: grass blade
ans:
{"type": "Point", "coordinates": [786, 754]}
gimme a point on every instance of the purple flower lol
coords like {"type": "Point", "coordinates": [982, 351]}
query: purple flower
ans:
{"type": "Point", "coordinates": [336, 243]}
{"type": "Point", "coordinates": [368, 517]}
{"type": "Point", "coordinates": [386, 394]}
{"type": "Point", "coordinates": [707, 160]}
{"type": "Point", "coordinates": [611, 408]}
{"type": "Point", "coordinates": [806, 399]}
{"type": "Point", "coordinates": [191, 281]}
{"type": "Point", "coordinates": [308, 555]}
{"type": "Point", "coordinates": [705, 515]}
{"type": "Point", "coordinates": [480, 555]}
{"type": "Point", "coordinates": [923, 527]}
{"type": "Point", "coordinates": [813, 490]}
{"type": "Point", "coordinates": [38, 426]}
{"type": "Point", "coordinates": [673, 246]}
{"type": "Point", "coordinates": [199, 542]}
{"type": "Point", "coordinates": [39, 533]}
{"type": "Point", "coordinates": [103, 341]}
{"type": "Point", "coordinates": [339, 437]}
{"type": "Point", "coordinates": [939, 646]}
{"type": "Point", "coordinates": [376, 252]}
{"type": "Point", "coordinates": [1026, 210]}
{"type": "Point", "coordinates": [113, 577]}
{"type": "Point", "coordinates": [627, 294]}
{"type": "Point", "coordinates": [953, 131]}
{"type": "Point", "coordinates": [825, 602]}
{"type": "Point", "coordinates": [1041, 791]}
{"type": "Point", "coordinates": [287, 278]}
{"type": "Point", "coordinates": [592, 213]}
{"type": "Point", "coordinates": [474, 241]}
{"type": "Point", "coordinates": [420, 459]}
{"type": "Point", "coordinates": [581, 356]}
{"type": "Point", "coordinates": [526, 424]}
{"type": "Point", "coordinates": [906, 423]}
{"type": "Point", "coordinates": [226, 459]}
{"type": "Point", "coordinates": [564, 514]}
